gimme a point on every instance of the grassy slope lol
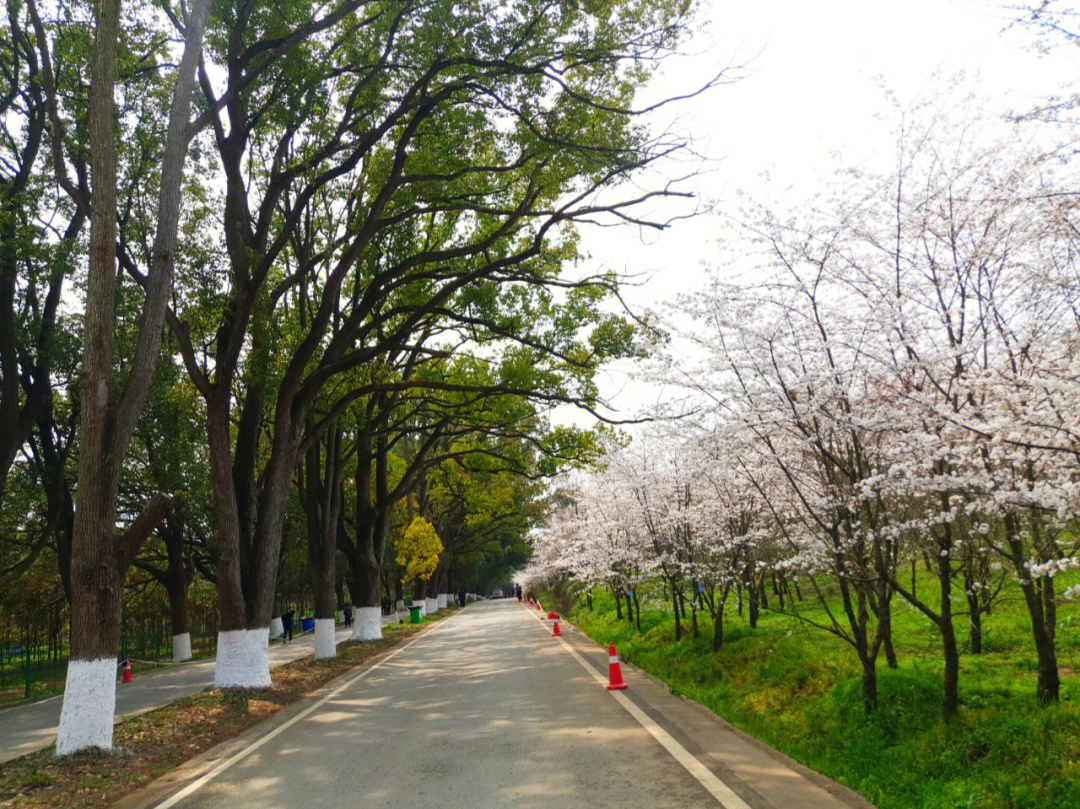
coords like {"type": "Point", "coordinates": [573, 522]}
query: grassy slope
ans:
{"type": "Point", "coordinates": [798, 689]}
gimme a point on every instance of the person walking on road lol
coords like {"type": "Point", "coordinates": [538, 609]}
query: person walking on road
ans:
{"type": "Point", "coordinates": [286, 624]}
{"type": "Point", "coordinates": [348, 615]}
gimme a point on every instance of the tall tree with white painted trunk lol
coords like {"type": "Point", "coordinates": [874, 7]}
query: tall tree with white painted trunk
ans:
{"type": "Point", "coordinates": [112, 395]}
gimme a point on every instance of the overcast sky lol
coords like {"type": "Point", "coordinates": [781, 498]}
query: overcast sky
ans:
{"type": "Point", "coordinates": [811, 99]}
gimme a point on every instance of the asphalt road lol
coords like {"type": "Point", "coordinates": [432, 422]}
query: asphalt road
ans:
{"type": "Point", "coordinates": [487, 710]}
{"type": "Point", "coordinates": [26, 728]}
{"type": "Point", "coordinates": [483, 711]}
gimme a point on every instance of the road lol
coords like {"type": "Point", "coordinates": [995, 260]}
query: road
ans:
{"type": "Point", "coordinates": [30, 727]}
{"type": "Point", "coordinates": [488, 710]}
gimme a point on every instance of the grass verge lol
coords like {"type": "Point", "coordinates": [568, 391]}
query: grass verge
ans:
{"type": "Point", "coordinates": [151, 744]}
{"type": "Point", "coordinates": [799, 691]}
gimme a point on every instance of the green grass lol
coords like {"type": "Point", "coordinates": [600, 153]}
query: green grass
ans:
{"type": "Point", "coordinates": [799, 690]}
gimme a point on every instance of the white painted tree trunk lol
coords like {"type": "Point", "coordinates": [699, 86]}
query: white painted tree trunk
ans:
{"type": "Point", "coordinates": [401, 605]}
{"type": "Point", "coordinates": [242, 659]}
{"type": "Point", "coordinates": [325, 640]}
{"type": "Point", "coordinates": [341, 616]}
{"type": "Point", "coordinates": [444, 601]}
{"type": "Point", "coordinates": [86, 718]}
{"type": "Point", "coordinates": [277, 628]}
{"type": "Point", "coordinates": [181, 647]}
{"type": "Point", "coordinates": [422, 604]}
{"type": "Point", "coordinates": [368, 624]}
{"type": "Point", "coordinates": [431, 606]}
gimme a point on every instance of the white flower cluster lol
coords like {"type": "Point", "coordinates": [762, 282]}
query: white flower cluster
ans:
{"type": "Point", "coordinates": [1052, 568]}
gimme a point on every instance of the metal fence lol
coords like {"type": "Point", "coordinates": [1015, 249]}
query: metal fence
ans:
{"type": "Point", "coordinates": [33, 658]}
{"type": "Point", "coordinates": [33, 667]}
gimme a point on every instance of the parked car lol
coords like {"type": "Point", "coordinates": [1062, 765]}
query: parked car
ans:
{"type": "Point", "coordinates": [496, 593]}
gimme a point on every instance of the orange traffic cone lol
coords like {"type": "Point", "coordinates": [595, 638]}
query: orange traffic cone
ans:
{"type": "Point", "coordinates": [538, 607]}
{"type": "Point", "coordinates": [127, 671]}
{"type": "Point", "coordinates": [614, 672]}
{"type": "Point", "coordinates": [555, 633]}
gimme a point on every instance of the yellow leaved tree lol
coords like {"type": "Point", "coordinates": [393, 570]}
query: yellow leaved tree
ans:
{"type": "Point", "coordinates": [418, 551]}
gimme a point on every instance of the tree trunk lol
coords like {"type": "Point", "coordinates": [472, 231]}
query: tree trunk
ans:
{"type": "Point", "coordinates": [752, 592]}
{"type": "Point", "coordinates": [718, 628]}
{"type": "Point", "coordinates": [951, 674]}
{"type": "Point", "coordinates": [322, 502]}
{"type": "Point", "coordinates": [368, 614]}
{"type": "Point", "coordinates": [177, 579]}
{"type": "Point", "coordinates": [247, 577]}
{"type": "Point", "coordinates": [869, 686]}
{"type": "Point", "coordinates": [1047, 688]}
{"type": "Point", "coordinates": [885, 628]}
{"type": "Point", "coordinates": [975, 632]}
{"type": "Point", "coordinates": [1048, 685]}
{"type": "Point", "coordinates": [108, 415]}
{"type": "Point", "coordinates": [96, 573]}
{"type": "Point", "coordinates": [675, 609]}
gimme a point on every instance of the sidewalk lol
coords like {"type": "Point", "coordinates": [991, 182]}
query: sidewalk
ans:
{"type": "Point", "coordinates": [30, 727]}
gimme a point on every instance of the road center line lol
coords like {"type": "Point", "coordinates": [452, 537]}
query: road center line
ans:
{"type": "Point", "coordinates": [723, 794]}
{"type": "Point", "coordinates": [255, 745]}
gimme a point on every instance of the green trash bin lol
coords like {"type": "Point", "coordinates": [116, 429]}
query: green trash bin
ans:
{"type": "Point", "coordinates": [414, 615]}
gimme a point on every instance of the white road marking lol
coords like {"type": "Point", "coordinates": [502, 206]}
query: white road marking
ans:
{"type": "Point", "coordinates": [724, 794]}
{"type": "Point", "coordinates": [251, 748]}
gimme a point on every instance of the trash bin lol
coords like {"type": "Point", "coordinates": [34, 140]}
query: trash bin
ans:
{"type": "Point", "coordinates": [414, 614]}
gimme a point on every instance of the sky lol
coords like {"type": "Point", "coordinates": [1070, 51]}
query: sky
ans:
{"type": "Point", "coordinates": [810, 98]}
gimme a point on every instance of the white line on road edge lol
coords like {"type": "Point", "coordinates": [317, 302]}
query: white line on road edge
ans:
{"type": "Point", "coordinates": [724, 795]}
{"type": "Point", "coordinates": [251, 748]}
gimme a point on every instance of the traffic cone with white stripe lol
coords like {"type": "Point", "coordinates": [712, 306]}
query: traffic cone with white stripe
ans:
{"type": "Point", "coordinates": [555, 633]}
{"type": "Point", "coordinates": [538, 607]}
{"type": "Point", "coordinates": [615, 680]}
{"type": "Point", "coordinates": [127, 672]}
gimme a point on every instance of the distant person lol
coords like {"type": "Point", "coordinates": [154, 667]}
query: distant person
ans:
{"type": "Point", "coordinates": [517, 589]}
{"type": "Point", "coordinates": [461, 598]}
{"type": "Point", "coordinates": [348, 614]}
{"type": "Point", "coordinates": [286, 624]}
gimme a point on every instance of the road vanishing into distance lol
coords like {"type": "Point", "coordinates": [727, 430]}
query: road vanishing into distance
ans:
{"type": "Point", "coordinates": [487, 710]}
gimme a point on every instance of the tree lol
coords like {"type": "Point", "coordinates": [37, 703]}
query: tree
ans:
{"type": "Point", "coordinates": [369, 226]}
{"type": "Point", "coordinates": [38, 234]}
{"type": "Point", "coordinates": [418, 552]}
{"type": "Point", "coordinates": [111, 401]}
